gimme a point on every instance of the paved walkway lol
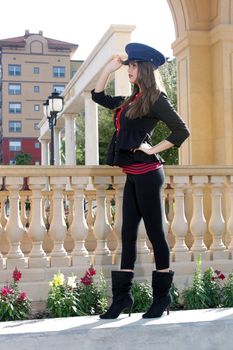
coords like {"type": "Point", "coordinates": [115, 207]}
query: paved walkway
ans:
{"type": "Point", "coordinates": [210, 329]}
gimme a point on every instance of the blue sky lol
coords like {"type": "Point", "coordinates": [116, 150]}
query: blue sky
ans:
{"type": "Point", "coordinates": [85, 22]}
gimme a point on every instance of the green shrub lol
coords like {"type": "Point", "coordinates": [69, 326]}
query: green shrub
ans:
{"type": "Point", "coordinates": [227, 292]}
{"type": "Point", "coordinates": [142, 293]}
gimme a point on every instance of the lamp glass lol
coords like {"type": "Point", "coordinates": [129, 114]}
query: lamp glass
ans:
{"type": "Point", "coordinates": [55, 103]}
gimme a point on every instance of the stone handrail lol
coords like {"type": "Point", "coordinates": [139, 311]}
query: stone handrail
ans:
{"type": "Point", "coordinates": [69, 217]}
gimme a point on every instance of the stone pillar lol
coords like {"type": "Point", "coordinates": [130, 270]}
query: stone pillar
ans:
{"type": "Point", "coordinates": [195, 99]}
{"type": "Point", "coordinates": [37, 230]}
{"type": "Point", "coordinates": [14, 228]}
{"type": "Point", "coordinates": [44, 151]}
{"type": "Point", "coordinates": [70, 139]}
{"type": "Point", "coordinates": [179, 224]}
{"type": "Point", "coordinates": [58, 229]}
{"type": "Point", "coordinates": [57, 146]}
{"type": "Point", "coordinates": [91, 131]}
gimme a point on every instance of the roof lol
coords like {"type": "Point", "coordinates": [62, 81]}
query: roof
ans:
{"type": "Point", "coordinates": [52, 43]}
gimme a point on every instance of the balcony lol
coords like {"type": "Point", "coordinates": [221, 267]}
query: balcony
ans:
{"type": "Point", "coordinates": [70, 217]}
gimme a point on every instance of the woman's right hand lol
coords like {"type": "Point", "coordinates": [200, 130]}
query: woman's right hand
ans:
{"type": "Point", "coordinates": [114, 64]}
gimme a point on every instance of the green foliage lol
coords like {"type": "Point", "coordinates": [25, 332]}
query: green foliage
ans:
{"type": "Point", "coordinates": [14, 304]}
{"type": "Point", "coordinates": [175, 295]}
{"type": "Point", "coordinates": [142, 293]}
{"type": "Point", "coordinates": [227, 292]}
{"type": "Point", "coordinates": [212, 288]}
{"type": "Point", "coordinates": [68, 298]}
{"type": "Point", "coordinates": [23, 159]}
{"type": "Point", "coordinates": [194, 296]}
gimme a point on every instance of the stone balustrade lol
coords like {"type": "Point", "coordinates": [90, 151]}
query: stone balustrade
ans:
{"type": "Point", "coordinates": [69, 217]}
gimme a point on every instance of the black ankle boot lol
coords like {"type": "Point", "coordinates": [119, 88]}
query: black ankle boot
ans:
{"type": "Point", "coordinates": [161, 284]}
{"type": "Point", "coordinates": [122, 296]}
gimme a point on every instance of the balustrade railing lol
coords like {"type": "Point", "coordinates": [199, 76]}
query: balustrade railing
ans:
{"type": "Point", "coordinates": [71, 216]}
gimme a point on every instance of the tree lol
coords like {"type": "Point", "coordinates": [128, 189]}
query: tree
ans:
{"type": "Point", "coordinates": [23, 159]}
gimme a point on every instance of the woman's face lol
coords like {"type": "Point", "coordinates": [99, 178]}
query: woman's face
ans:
{"type": "Point", "coordinates": [133, 72]}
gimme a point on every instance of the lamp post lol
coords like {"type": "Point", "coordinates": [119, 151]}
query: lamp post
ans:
{"type": "Point", "coordinates": [53, 105]}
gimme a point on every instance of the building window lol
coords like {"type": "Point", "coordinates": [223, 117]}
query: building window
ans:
{"type": "Point", "coordinates": [59, 88]}
{"type": "Point", "coordinates": [15, 126]}
{"type": "Point", "coordinates": [58, 72]}
{"type": "Point", "coordinates": [14, 69]}
{"type": "Point", "coordinates": [14, 89]}
{"type": "Point", "coordinates": [15, 145]}
{"type": "Point", "coordinates": [36, 70]}
{"type": "Point", "coordinates": [36, 88]}
{"type": "Point", "coordinates": [36, 126]}
{"type": "Point", "coordinates": [14, 107]}
{"type": "Point", "coordinates": [37, 145]}
{"type": "Point", "coordinates": [36, 108]}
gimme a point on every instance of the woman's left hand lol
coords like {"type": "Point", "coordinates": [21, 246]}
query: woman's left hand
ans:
{"type": "Point", "coordinates": [145, 147]}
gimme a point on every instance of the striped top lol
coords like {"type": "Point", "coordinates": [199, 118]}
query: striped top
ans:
{"type": "Point", "coordinates": [141, 168]}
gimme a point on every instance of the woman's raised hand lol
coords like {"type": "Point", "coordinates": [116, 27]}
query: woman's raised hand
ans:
{"type": "Point", "coordinates": [114, 64]}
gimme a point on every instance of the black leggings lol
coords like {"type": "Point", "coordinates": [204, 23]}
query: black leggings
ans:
{"type": "Point", "coordinates": [143, 199]}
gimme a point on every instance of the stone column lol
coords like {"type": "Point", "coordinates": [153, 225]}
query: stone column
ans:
{"type": "Point", "coordinates": [179, 224]}
{"type": "Point", "coordinates": [101, 227]}
{"type": "Point", "coordinates": [217, 223]}
{"type": "Point", "coordinates": [58, 229]}
{"type": "Point", "coordinates": [44, 151]}
{"type": "Point", "coordinates": [195, 101]}
{"type": "Point", "coordinates": [70, 139]}
{"type": "Point", "coordinates": [57, 146]}
{"type": "Point", "coordinates": [198, 223]}
{"type": "Point", "coordinates": [14, 228]}
{"type": "Point", "coordinates": [91, 131]}
{"type": "Point", "coordinates": [37, 230]}
{"type": "Point", "coordinates": [79, 228]}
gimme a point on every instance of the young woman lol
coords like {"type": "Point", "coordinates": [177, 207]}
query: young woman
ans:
{"type": "Point", "coordinates": [135, 118]}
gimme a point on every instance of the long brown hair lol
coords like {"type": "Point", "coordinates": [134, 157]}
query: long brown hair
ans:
{"type": "Point", "coordinates": [149, 88]}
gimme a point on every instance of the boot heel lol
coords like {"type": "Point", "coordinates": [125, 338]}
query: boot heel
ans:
{"type": "Point", "coordinates": [130, 310]}
{"type": "Point", "coordinates": [168, 310]}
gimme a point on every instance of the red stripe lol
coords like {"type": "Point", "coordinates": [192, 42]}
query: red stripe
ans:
{"type": "Point", "coordinates": [141, 168]}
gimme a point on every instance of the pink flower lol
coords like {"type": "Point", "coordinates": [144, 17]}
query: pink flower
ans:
{"type": "Point", "coordinates": [16, 275]}
{"type": "Point", "coordinates": [221, 276]}
{"type": "Point", "coordinates": [23, 296]}
{"type": "Point", "coordinates": [86, 280]}
{"type": "Point", "coordinates": [6, 290]}
{"type": "Point", "coordinates": [92, 271]}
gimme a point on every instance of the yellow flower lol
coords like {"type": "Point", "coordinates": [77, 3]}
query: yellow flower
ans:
{"type": "Point", "coordinates": [58, 279]}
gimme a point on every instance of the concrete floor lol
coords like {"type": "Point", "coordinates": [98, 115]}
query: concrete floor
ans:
{"type": "Point", "coordinates": [210, 329]}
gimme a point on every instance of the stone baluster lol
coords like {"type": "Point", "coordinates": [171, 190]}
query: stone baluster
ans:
{"type": "Point", "coordinates": [179, 226]}
{"type": "Point", "coordinates": [79, 228]}
{"type": "Point", "coordinates": [198, 225]}
{"type": "Point", "coordinates": [1, 256]}
{"type": "Point", "coordinates": [90, 218]}
{"type": "Point", "coordinates": [230, 219]}
{"type": "Point", "coordinates": [37, 230]}
{"type": "Point", "coordinates": [101, 227]}
{"type": "Point", "coordinates": [58, 229]}
{"type": "Point", "coordinates": [3, 216]}
{"type": "Point", "coordinates": [217, 223]}
{"type": "Point", "coordinates": [119, 182]}
{"type": "Point", "coordinates": [143, 252]}
{"type": "Point", "coordinates": [23, 214]}
{"type": "Point", "coordinates": [14, 228]}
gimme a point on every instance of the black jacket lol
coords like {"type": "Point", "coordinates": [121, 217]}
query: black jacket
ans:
{"type": "Point", "coordinates": [135, 131]}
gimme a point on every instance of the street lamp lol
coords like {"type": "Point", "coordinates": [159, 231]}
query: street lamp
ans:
{"type": "Point", "coordinates": [53, 105]}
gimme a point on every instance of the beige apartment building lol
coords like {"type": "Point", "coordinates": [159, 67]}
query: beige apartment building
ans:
{"type": "Point", "coordinates": [31, 68]}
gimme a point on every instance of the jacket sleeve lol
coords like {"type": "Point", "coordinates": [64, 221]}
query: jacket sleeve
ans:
{"type": "Point", "coordinates": [163, 110]}
{"type": "Point", "coordinates": [107, 101]}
